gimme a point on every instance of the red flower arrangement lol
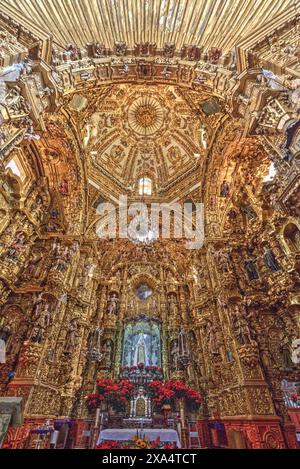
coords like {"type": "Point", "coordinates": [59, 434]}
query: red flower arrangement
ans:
{"type": "Point", "coordinates": [294, 397]}
{"type": "Point", "coordinates": [113, 393]}
{"type": "Point", "coordinates": [168, 393]}
{"type": "Point", "coordinates": [117, 393]}
{"type": "Point", "coordinates": [111, 445]}
{"type": "Point", "coordinates": [136, 443]}
{"type": "Point", "coordinates": [94, 400]}
{"type": "Point", "coordinates": [169, 446]}
{"type": "Point", "coordinates": [160, 394]}
{"type": "Point", "coordinates": [142, 373]}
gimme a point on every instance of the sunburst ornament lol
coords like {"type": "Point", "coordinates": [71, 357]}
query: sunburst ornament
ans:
{"type": "Point", "coordinates": [145, 116]}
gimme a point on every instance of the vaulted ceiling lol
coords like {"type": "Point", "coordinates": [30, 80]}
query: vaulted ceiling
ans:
{"type": "Point", "coordinates": [133, 131]}
{"type": "Point", "coordinates": [107, 136]}
{"type": "Point", "coordinates": [209, 23]}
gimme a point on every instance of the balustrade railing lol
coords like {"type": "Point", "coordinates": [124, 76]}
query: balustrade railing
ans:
{"type": "Point", "coordinates": [142, 374]}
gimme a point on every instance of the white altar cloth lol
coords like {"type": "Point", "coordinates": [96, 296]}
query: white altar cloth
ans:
{"type": "Point", "coordinates": [126, 434]}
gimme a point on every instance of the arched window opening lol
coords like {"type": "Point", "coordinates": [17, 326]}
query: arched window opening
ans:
{"type": "Point", "coordinates": [145, 186]}
{"type": "Point", "coordinates": [271, 173]}
{"type": "Point", "coordinates": [16, 168]}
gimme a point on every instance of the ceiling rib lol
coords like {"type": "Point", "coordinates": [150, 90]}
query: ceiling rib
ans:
{"type": "Point", "coordinates": [214, 23]}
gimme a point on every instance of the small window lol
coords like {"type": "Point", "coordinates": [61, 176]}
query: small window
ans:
{"type": "Point", "coordinates": [16, 168]}
{"type": "Point", "coordinates": [145, 186]}
{"type": "Point", "coordinates": [271, 174]}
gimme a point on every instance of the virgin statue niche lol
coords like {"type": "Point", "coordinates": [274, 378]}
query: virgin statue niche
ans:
{"type": "Point", "coordinates": [142, 344]}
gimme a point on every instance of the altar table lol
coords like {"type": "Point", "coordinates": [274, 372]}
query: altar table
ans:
{"type": "Point", "coordinates": [126, 434]}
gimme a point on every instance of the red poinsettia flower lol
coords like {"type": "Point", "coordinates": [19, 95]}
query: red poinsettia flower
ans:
{"type": "Point", "coordinates": [116, 393]}
{"type": "Point", "coordinates": [163, 394]}
{"type": "Point", "coordinates": [155, 444]}
{"type": "Point", "coordinates": [108, 445]}
{"type": "Point", "coordinates": [169, 446]}
{"type": "Point", "coordinates": [112, 392]}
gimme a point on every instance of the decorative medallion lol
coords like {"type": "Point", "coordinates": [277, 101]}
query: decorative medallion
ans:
{"type": "Point", "coordinates": [145, 116]}
{"type": "Point", "coordinates": [143, 291]}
